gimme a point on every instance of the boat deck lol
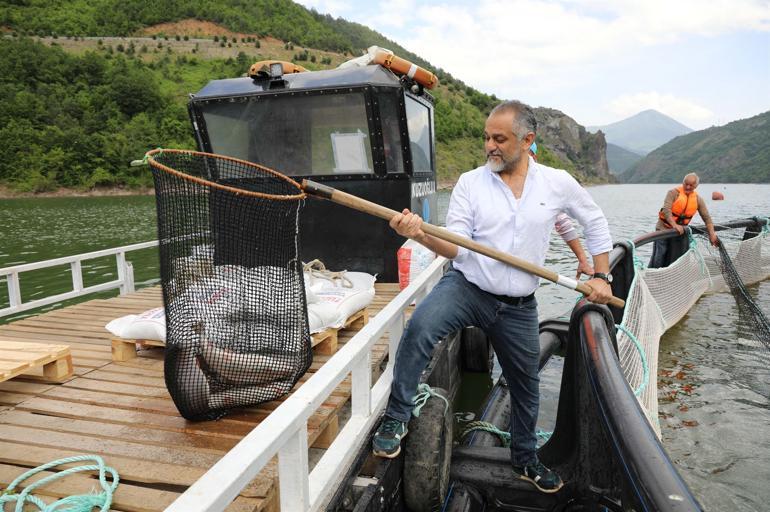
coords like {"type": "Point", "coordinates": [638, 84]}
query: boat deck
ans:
{"type": "Point", "coordinates": [123, 412]}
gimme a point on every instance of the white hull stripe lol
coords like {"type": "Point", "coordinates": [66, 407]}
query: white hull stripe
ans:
{"type": "Point", "coordinates": [412, 71]}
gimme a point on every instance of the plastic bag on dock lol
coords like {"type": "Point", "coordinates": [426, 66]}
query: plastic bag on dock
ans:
{"type": "Point", "coordinates": [412, 258]}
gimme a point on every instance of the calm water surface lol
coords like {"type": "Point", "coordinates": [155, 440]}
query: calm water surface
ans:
{"type": "Point", "coordinates": [714, 386]}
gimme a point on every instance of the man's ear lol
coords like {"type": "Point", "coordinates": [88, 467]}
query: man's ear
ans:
{"type": "Point", "coordinates": [529, 139]}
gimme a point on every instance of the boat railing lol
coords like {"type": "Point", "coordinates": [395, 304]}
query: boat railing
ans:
{"type": "Point", "coordinates": [284, 432]}
{"type": "Point", "coordinates": [124, 282]}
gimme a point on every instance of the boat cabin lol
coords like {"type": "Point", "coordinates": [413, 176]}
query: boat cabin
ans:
{"type": "Point", "coordinates": [362, 130]}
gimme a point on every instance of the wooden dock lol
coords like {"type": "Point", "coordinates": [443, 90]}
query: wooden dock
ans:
{"type": "Point", "coordinates": [122, 411]}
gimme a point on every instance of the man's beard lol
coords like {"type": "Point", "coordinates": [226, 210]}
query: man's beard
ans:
{"type": "Point", "coordinates": [504, 163]}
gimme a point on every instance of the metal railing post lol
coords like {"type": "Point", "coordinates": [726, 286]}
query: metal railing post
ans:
{"type": "Point", "coordinates": [361, 381]}
{"type": "Point", "coordinates": [77, 275]}
{"type": "Point", "coordinates": [293, 472]}
{"type": "Point", "coordinates": [14, 290]}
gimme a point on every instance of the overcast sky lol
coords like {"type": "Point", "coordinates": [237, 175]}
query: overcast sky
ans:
{"type": "Point", "coordinates": [702, 62]}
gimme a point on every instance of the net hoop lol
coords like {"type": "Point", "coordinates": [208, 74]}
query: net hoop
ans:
{"type": "Point", "coordinates": [150, 157]}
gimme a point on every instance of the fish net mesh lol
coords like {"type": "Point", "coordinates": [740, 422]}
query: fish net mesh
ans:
{"type": "Point", "coordinates": [236, 321]}
{"type": "Point", "coordinates": [660, 297]}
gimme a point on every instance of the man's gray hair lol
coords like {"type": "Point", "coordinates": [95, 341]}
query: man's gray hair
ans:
{"type": "Point", "coordinates": [692, 174]}
{"type": "Point", "coordinates": [523, 117]}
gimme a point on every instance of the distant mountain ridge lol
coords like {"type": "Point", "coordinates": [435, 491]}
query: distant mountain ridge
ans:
{"type": "Point", "coordinates": [620, 159]}
{"type": "Point", "coordinates": [737, 152]}
{"type": "Point", "coordinates": [643, 132]}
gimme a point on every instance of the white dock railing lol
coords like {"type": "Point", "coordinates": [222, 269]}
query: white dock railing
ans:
{"type": "Point", "coordinates": [284, 431]}
{"type": "Point", "coordinates": [125, 280]}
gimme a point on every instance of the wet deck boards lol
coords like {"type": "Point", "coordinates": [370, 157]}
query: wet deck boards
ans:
{"type": "Point", "coordinates": [123, 412]}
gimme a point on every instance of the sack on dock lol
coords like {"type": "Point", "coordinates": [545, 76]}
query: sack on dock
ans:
{"type": "Point", "coordinates": [347, 300]}
{"type": "Point", "coordinates": [150, 325]}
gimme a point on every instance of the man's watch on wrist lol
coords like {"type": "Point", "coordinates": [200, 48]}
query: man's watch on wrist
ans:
{"type": "Point", "coordinates": [601, 275]}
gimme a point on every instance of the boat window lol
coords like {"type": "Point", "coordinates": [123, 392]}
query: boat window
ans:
{"type": "Point", "coordinates": [418, 120]}
{"type": "Point", "coordinates": [391, 132]}
{"type": "Point", "coordinates": [296, 135]}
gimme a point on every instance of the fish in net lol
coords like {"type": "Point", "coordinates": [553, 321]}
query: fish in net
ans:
{"type": "Point", "coordinates": [231, 273]}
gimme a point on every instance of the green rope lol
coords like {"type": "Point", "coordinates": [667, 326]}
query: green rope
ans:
{"type": "Point", "coordinates": [424, 392]}
{"type": "Point", "coordinates": [638, 267]}
{"type": "Point", "coordinates": [505, 437]}
{"type": "Point", "coordinates": [77, 503]}
{"type": "Point", "coordinates": [642, 356]}
{"type": "Point", "coordinates": [145, 159]}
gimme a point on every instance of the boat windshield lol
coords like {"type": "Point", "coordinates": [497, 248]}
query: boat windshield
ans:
{"type": "Point", "coordinates": [321, 134]}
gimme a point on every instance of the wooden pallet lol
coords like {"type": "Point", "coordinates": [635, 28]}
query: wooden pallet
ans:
{"type": "Point", "coordinates": [18, 358]}
{"type": "Point", "coordinates": [124, 349]}
{"type": "Point", "coordinates": [326, 341]}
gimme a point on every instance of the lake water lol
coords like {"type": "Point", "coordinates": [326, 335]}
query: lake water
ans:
{"type": "Point", "coordinates": [714, 390]}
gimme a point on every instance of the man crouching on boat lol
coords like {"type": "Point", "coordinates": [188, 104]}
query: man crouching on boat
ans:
{"type": "Point", "coordinates": [509, 204]}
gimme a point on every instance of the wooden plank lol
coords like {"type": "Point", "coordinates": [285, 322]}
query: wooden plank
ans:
{"type": "Point", "coordinates": [126, 496]}
{"type": "Point", "coordinates": [118, 388]}
{"type": "Point", "coordinates": [136, 470]}
{"type": "Point", "coordinates": [106, 446]}
{"type": "Point", "coordinates": [223, 427]}
{"type": "Point", "coordinates": [117, 431]}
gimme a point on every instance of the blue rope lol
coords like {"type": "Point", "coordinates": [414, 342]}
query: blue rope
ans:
{"type": "Point", "coordinates": [505, 437]}
{"type": "Point", "coordinates": [424, 392]}
{"type": "Point", "coordinates": [642, 356]}
{"type": "Point", "coordinates": [77, 503]}
{"type": "Point", "coordinates": [638, 265]}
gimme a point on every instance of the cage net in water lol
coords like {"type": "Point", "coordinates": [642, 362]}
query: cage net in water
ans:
{"type": "Point", "coordinates": [236, 318]}
{"type": "Point", "coordinates": [752, 321]}
{"type": "Point", "coordinates": [660, 297]}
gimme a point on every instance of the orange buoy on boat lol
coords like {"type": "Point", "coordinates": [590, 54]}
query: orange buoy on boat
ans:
{"type": "Point", "coordinates": [262, 67]}
{"type": "Point", "coordinates": [717, 196]}
{"type": "Point", "coordinates": [388, 59]}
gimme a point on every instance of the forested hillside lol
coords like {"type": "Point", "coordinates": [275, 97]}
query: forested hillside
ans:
{"type": "Point", "coordinates": [78, 103]}
{"type": "Point", "coordinates": [734, 153]}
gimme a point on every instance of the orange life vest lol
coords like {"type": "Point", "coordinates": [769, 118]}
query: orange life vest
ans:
{"type": "Point", "coordinates": [683, 209]}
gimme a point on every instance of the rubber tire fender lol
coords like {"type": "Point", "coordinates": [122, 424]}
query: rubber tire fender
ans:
{"type": "Point", "coordinates": [427, 456]}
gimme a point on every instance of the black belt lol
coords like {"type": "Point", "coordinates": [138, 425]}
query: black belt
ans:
{"type": "Point", "coordinates": [514, 301]}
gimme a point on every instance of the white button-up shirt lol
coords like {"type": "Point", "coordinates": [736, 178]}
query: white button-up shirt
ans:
{"type": "Point", "coordinates": [483, 208]}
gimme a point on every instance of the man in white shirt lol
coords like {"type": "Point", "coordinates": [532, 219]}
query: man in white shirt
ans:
{"type": "Point", "coordinates": [510, 204]}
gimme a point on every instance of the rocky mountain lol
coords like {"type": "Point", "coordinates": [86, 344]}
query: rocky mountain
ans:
{"type": "Point", "coordinates": [643, 132]}
{"type": "Point", "coordinates": [734, 153]}
{"type": "Point", "coordinates": [620, 159]}
{"type": "Point", "coordinates": [562, 139]}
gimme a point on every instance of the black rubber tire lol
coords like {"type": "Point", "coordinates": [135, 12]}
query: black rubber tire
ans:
{"type": "Point", "coordinates": [476, 350]}
{"type": "Point", "coordinates": [427, 456]}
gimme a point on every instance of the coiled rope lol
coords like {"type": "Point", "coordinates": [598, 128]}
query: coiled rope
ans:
{"type": "Point", "coordinates": [317, 269]}
{"type": "Point", "coordinates": [76, 503]}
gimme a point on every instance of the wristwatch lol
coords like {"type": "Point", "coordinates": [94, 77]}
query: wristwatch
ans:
{"type": "Point", "coordinates": [602, 275]}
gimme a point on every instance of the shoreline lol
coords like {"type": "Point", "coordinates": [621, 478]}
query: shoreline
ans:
{"type": "Point", "coordinates": [7, 193]}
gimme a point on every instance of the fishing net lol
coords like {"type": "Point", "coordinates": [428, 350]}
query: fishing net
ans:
{"type": "Point", "coordinates": [660, 297]}
{"type": "Point", "coordinates": [237, 329]}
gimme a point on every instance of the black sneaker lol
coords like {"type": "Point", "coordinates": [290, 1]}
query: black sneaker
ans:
{"type": "Point", "coordinates": [541, 477]}
{"type": "Point", "coordinates": [387, 439]}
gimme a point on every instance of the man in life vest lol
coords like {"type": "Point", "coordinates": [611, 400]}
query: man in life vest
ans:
{"type": "Point", "coordinates": [679, 207]}
{"type": "Point", "coordinates": [492, 206]}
